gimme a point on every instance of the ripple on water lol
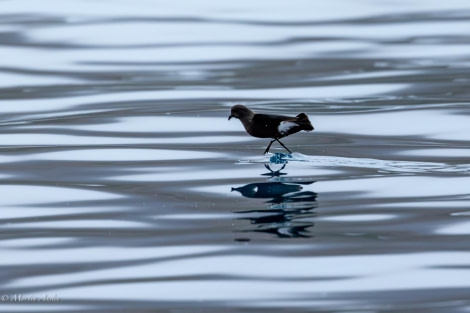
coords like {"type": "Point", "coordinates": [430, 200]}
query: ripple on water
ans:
{"type": "Point", "coordinates": [456, 228]}
{"type": "Point", "coordinates": [123, 155]}
{"type": "Point", "coordinates": [254, 281]}
{"type": "Point", "coordinates": [400, 186]}
{"type": "Point", "coordinates": [41, 195]}
{"type": "Point", "coordinates": [383, 166]}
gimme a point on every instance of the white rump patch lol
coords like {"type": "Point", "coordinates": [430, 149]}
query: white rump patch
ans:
{"type": "Point", "coordinates": [285, 126]}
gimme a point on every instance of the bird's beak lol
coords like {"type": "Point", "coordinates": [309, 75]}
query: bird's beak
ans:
{"type": "Point", "coordinates": [230, 117]}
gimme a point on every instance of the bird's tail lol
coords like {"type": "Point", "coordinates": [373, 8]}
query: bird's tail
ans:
{"type": "Point", "coordinates": [304, 122]}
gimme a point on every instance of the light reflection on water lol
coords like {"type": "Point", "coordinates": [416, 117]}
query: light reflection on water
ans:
{"type": "Point", "coordinates": [124, 187]}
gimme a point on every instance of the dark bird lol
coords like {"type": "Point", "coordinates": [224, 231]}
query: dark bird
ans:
{"type": "Point", "coordinates": [270, 126]}
{"type": "Point", "coordinates": [267, 190]}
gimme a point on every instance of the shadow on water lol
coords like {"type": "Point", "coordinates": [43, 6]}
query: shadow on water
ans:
{"type": "Point", "coordinates": [282, 214]}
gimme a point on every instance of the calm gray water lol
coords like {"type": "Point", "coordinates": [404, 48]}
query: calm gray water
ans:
{"type": "Point", "coordinates": [124, 187]}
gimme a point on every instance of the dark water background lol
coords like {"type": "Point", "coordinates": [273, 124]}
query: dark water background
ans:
{"type": "Point", "coordinates": [123, 187]}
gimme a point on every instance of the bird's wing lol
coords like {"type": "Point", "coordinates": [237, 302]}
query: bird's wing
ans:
{"type": "Point", "coordinates": [278, 125]}
{"type": "Point", "coordinates": [269, 120]}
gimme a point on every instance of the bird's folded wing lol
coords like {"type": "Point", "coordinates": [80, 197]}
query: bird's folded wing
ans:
{"type": "Point", "coordinates": [270, 120]}
{"type": "Point", "coordinates": [280, 126]}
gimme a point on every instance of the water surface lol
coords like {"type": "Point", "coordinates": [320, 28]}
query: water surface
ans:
{"type": "Point", "coordinates": [123, 185]}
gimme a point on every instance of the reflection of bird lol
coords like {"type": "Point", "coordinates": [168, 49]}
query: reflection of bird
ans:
{"type": "Point", "coordinates": [270, 126]}
{"type": "Point", "coordinates": [288, 203]}
{"type": "Point", "coordinates": [275, 173]}
{"type": "Point", "coordinates": [267, 190]}
{"type": "Point", "coordinates": [283, 226]}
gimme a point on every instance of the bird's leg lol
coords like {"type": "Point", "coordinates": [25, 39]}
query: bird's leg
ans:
{"type": "Point", "coordinates": [269, 146]}
{"type": "Point", "coordinates": [282, 145]}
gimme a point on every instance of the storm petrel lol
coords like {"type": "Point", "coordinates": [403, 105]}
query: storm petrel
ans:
{"type": "Point", "coordinates": [270, 126]}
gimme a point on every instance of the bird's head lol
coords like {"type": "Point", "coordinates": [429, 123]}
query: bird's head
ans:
{"type": "Point", "coordinates": [240, 111]}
